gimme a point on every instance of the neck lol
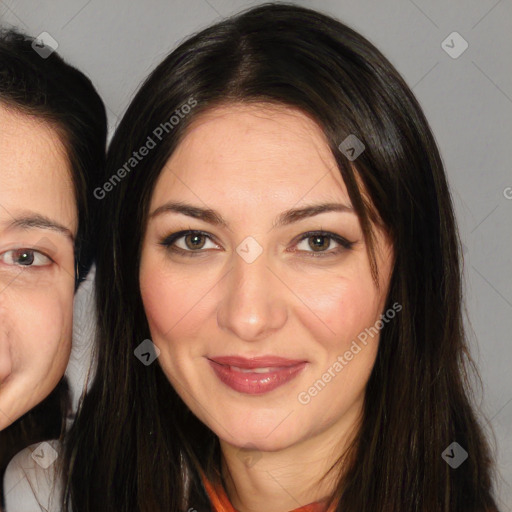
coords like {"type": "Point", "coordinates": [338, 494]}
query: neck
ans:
{"type": "Point", "coordinates": [288, 478]}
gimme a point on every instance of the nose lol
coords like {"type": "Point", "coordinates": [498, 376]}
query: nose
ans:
{"type": "Point", "coordinates": [253, 301]}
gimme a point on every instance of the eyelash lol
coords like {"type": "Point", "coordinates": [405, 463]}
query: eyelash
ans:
{"type": "Point", "coordinates": [344, 244]}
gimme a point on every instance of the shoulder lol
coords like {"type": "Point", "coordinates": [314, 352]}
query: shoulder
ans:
{"type": "Point", "coordinates": [31, 482]}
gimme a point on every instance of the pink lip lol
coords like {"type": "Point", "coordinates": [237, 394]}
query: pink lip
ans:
{"type": "Point", "coordinates": [281, 371]}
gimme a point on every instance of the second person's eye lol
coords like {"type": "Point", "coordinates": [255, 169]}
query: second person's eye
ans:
{"type": "Point", "coordinates": [322, 243]}
{"type": "Point", "coordinates": [189, 241]}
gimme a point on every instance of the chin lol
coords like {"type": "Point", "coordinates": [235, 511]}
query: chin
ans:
{"type": "Point", "coordinates": [263, 445]}
{"type": "Point", "coordinates": [267, 438]}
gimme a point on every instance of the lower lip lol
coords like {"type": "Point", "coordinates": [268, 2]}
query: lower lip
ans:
{"type": "Point", "coordinates": [255, 383]}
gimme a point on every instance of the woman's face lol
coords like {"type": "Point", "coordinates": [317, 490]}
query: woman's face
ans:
{"type": "Point", "coordinates": [38, 220]}
{"type": "Point", "coordinates": [256, 281]}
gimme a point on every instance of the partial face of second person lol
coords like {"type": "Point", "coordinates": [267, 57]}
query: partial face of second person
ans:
{"type": "Point", "coordinates": [38, 220]}
{"type": "Point", "coordinates": [255, 278]}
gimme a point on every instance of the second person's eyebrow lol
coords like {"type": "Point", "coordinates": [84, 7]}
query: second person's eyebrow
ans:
{"type": "Point", "coordinates": [212, 217]}
{"type": "Point", "coordinates": [205, 214]}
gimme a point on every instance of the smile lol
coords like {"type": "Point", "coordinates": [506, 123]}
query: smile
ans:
{"type": "Point", "coordinates": [255, 376]}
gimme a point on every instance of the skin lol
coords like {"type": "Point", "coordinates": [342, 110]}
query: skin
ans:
{"type": "Point", "coordinates": [250, 164]}
{"type": "Point", "coordinates": [36, 262]}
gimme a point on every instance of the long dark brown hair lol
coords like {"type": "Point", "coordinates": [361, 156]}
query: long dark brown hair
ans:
{"type": "Point", "coordinates": [135, 445]}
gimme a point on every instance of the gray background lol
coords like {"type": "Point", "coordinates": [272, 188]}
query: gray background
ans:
{"type": "Point", "coordinates": [468, 101]}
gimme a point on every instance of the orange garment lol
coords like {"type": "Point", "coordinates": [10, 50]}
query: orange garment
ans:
{"type": "Point", "coordinates": [221, 503]}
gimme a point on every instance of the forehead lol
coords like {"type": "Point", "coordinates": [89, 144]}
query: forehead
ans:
{"type": "Point", "coordinates": [26, 139]}
{"type": "Point", "coordinates": [34, 167]}
{"type": "Point", "coordinates": [254, 151]}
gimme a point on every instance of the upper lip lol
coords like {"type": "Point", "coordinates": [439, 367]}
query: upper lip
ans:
{"type": "Point", "coordinates": [266, 361]}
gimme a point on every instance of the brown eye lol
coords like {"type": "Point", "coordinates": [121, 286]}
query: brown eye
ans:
{"type": "Point", "coordinates": [319, 242]}
{"type": "Point", "coordinates": [322, 244]}
{"type": "Point", "coordinates": [25, 258]}
{"type": "Point", "coordinates": [195, 241]}
{"type": "Point", "coordinates": [189, 243]}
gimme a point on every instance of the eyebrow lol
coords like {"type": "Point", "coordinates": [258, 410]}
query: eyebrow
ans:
{"type": "Point", "coordinates": [296, 214]}
{"type": "Point", "coordinates": [38, 221]}
{"type": "Point", "coordinates": [285, 218]}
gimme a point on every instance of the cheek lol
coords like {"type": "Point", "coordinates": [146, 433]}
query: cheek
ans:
{"type": "Point", "coordinates": [339, 307]}
{"type": "Point", "coordinates": [173, 304]}
{"type": "Point", "coordinates": [41, 331]}
{"type": "Point", "coordinates": [35, 337]}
